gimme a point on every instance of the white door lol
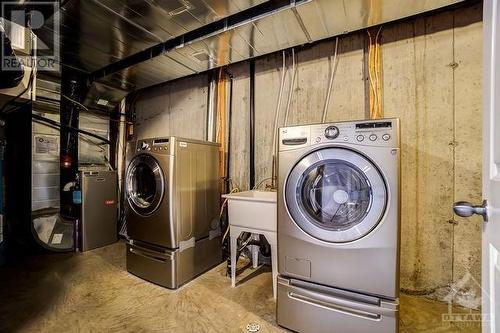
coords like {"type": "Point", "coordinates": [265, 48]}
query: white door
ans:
{"type": "Point", "coordinates": [490, 209]}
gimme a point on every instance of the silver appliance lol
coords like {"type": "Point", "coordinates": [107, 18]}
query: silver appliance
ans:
{"type": "Point", "coordinates": [338, 227]}
{"type": "Point", "coordinates": [172, 188]}
{"type": "Point", "coordinates": [99, 209]}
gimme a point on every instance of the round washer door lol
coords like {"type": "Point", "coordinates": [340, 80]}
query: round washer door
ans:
{"type": "Point", "coordinates": [336, 195]}
{"type": "Point", "coordinates": [144, 184]}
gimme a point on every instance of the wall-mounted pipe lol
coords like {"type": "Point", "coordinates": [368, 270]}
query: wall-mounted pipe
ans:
{"type": "Point", "coordinates": [330, 84]}
{"type": "Point", "coordinates": [276, 118]}
{"type": "Point", "coordinates": [252, 124]}
{"type": "Point", "coordinates": [211, 107]}
{"type": "Point", "coordinates": [292, 86]}
{"type": "Point", "coordinates": [230, 117]}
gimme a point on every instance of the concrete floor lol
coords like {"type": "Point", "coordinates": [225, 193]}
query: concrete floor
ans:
{"type": "Point", "coordinates": [92, 292]}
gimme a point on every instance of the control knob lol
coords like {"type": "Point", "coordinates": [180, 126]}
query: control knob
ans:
{"type": "Point", "coordinates": [332, 132]}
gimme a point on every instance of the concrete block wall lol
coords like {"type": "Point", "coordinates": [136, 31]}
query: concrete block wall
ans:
{"type": "Point", "coordinates": [431, 80]}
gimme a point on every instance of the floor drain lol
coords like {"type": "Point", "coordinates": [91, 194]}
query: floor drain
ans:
{"type": "Point", "coordinates": [253, 327]}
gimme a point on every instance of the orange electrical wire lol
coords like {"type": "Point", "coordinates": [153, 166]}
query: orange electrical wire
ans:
{"type": "Point", "coordinates": [375, 74]}
{"type": "Point", "coordinates": [221, 124]}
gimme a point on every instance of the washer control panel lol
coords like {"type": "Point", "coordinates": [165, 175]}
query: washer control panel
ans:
{"type": "Point", "coordinates": [370, 132]}
{"type": "Point", "coordinates": [383, 133]}
{"type": "Point", "coordinates": [161, 146]}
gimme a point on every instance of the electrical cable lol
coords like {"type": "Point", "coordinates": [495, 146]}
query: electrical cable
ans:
{"type": "Point", "coordinates": [330, 84]}
{"type": "Point", "coordinates": [375, 109]}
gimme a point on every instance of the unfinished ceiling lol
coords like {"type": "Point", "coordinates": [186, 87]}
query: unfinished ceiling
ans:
{"type": "Point", "coordinates": [96, 33]}
{"type": "Point", "coordinates": [133, 44]}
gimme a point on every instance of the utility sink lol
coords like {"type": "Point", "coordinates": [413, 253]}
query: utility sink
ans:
{"type": "Point", "coordinates": [253, 209]}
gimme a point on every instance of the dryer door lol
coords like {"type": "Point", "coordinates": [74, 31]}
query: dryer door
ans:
{"type": "Point", "coordinates": [336, 195]}
{"type": "Point", "coordinates": [144, 184]}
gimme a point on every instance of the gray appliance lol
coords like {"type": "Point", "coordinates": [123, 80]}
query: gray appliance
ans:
{"type": "Point", "coordinates": [338, 227]}
{"type": "Point", "coordinates": [172, 189]}
{"type": "Point", "coordinates": [99, 209]}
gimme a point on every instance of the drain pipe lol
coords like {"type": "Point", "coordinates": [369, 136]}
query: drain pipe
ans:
{"type": "Point", "coordinates": [276, 117]}
{"type": "Point", "coordinates": [252, 123]}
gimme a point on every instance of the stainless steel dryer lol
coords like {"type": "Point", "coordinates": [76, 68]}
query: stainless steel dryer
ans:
{"type": "Point", "coordinates": [172, 190]}
{"type": "Point", "coordinates": [338, 227]}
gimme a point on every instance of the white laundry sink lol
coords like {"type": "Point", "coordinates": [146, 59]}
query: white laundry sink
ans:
{"type": "Point", "coordinates": [253, 209]}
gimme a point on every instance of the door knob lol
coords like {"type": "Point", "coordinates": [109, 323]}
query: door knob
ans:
{"type": "Point", "coordinates": [466, 209]}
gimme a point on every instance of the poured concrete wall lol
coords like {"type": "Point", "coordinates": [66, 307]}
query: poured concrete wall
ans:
{"type": "Point", "coordinates": [431, 80]}
{"type": "Point", "coordinates": [173, 109]}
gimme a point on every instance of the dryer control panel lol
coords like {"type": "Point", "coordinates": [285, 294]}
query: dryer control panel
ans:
{"type": "Point", "coordinates": [377, 133]}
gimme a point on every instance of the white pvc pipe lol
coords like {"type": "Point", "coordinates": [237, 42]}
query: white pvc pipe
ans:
{"type": "Point", "coordinates": [292, 85]}
{"type": "Point", "coordinates": [278, 104]}
{"type": "Point", "coordinates": [276, 117]}
{"type": "Point", "coordinates": [330, 85]}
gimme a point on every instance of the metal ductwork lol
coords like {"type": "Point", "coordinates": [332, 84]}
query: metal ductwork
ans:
{"type": "Point", "coordinates": [133, 44]}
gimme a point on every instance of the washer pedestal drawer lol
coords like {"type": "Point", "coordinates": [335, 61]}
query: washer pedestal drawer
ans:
{"type": "Point", "coordinates": [304, 307]}
{"type": "Point", "coordinates": [173, 268]}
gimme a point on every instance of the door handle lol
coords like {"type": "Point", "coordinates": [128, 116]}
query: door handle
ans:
{"type": "Point", "coordinates": [370, 311]}
{"type": "Point", "coordinates": [294, 142]}
{"type": "Point", "coordinates": [466, 209]}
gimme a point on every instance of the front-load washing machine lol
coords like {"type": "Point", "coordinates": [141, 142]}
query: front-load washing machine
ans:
{"type": "Point", "coordinates": [338, 227]}
{"type": "Point", "coordinates": [172, 208]}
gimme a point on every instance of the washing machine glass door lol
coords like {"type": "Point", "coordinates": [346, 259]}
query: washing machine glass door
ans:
{"type": "Point", "coordinates": [336, 195]}
{"type": "Point", "coordinates": [145, 184]}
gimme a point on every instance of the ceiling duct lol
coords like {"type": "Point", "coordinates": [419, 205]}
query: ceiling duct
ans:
{"type": "Point", "coordinates": [97, 33]}
{"type": "Point", "coordinates": [235, 38]}
{"type": "Point", "coordinates": [124, 45]}
{"type": "Point", "coordinates": [259, 30]}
